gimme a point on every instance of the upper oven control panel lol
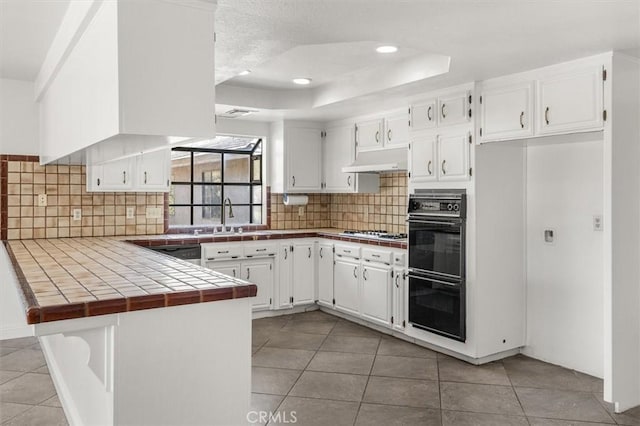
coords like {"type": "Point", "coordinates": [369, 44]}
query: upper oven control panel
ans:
{"type": "Point", "coordinates": [438, 203]}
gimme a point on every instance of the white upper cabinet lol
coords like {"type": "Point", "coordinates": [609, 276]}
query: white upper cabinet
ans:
{"type": "Point", "coordinates": [396, 130]}
{"type": "Point", "coordinates": [338, 151]}
{"type": "Point", "coordinates": [295, 157]}
{"type": "Point", "coordinates": [422, 158]}
{"type": "Point", "coordinates": [153, 169]}
{"type": "Point", "coordinates": [454, 108]}
{"type": "Point", "coordinates": [369, 134]}
{"type": "Point", "coordinates": [453, 156]}
{"type": "Point", "coordinates": [571, 101]}
{"type": "Point", "coordinates": [304, 163]}
{"type": "Point", "coordinates": [423, 115]}
{"type": "Point", "coordinates": [113, 176]}
{"type": "Point", "coordinates": [127, 70]}
{"type": "Point", "coordinates": [506, 112]}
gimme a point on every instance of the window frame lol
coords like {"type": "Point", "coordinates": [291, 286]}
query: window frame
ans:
{"type": "Point", "coordinates": [254, 181]}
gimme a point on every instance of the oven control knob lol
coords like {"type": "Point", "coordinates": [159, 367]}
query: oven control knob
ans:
{"type": "Point", "coordinates": [456, 207]}
{"type": "Point", "coordinates": [449, 206]}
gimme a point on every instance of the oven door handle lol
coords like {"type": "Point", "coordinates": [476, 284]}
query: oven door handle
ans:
{"type": "Point", "coordinates": [449, 284]}
{"type": "Point", "coordinates": [433, 222]}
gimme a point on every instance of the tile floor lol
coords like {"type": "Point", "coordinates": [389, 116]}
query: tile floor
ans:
{"type": "Point", "coordinates": [334, 372]}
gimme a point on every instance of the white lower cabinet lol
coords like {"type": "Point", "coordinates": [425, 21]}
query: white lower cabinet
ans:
{"type": "Point", "coordinates": [285, 260]}
{"type": "Point", "coordinates": [260, 273]}
{"type": "Point", "coordinates": [325, 274]}
{"type": "Point", "coordinates": [398, 320]}
{"type": "Point", "coordinates": [375, 293]}
{"type": "Point", "coordinates": [346, 284]}
{"type": "Point", "coordinates": [303, 273]}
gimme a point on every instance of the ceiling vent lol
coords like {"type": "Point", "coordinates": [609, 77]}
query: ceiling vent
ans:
{"type": "Point", "coordinates": [236, 112]}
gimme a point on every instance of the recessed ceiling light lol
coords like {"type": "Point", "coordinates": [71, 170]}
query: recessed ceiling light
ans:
{"type": "Point", "coordinates": [302, 81]}
{"type": "Point", "coordinates": [386, 49]}
{"type": "Point", "coordinates": [245, 72]}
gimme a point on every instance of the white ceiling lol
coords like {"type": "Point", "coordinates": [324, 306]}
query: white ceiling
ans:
{"type": "Point", "coordinates": [27, 28]}
{"type": "Point", "coordinates": [331, 41]}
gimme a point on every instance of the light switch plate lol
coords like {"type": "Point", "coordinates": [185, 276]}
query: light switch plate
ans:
{"type": "Point", "coordinates": [154, 212]}
{"type": "Point", "coordinates": [77, 214]}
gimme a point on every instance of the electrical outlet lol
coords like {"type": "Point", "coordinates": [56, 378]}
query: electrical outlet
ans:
{"type": "Point", "coordinates": [154, 213]}
{"type": "Point", "coordinates": [300, 211]}
{"type": "Point", "coordinates": [77, 214]}
{"type": "Point", "coordinates": [131, 212]}
{"type": "Point", "coordinates": [597, 222]}
{"type": "Point", "coordinates": [42, 200]}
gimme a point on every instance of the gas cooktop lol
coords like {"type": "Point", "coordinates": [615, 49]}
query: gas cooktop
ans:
{"type": "Point", "coordinates": [374, 234]}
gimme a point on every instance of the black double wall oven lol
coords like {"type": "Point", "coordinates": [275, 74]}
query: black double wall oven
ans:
{"type": "Point", "coordinates": [437, 300]}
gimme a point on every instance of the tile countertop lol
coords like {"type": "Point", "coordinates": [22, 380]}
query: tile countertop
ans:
{"type": "Point", "coordinates": [70, 278]}
{"type": "Point", "coordinates": [330, 233]}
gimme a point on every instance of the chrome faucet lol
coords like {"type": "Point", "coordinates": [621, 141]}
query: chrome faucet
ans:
{"type": "Point", "coordinates": [224, 204]}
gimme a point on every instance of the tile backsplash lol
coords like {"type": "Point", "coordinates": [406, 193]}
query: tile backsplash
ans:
{"type": "Point", "coordinates": [103, 213]}
{"type": "Point", "coordinates": [385, 210]}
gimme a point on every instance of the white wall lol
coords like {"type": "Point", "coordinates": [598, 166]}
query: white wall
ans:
{"type": "Point", "coordinates": [565, 279]}
{"type": "Point", "coordinates": [18, 118]}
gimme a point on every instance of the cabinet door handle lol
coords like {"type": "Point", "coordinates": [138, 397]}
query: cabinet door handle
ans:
{"type": "Point", "coordinates": [294, 180]}
{"type": "Point", "coordinates": [389, 135]}
{"type": "Point", "coordinates": [349, 180]}
{"type": "Point", "coordinates": [522, 120]}
{"type": "Point", "coordinates": [397, 276]}
{"type": "Point", "coordinates": [248, 273]}
{"type": "Point", "coordinates": [355, 272]}
{"type": "Point", "coordinates": [234, 272]}
{"type": "Point", "coordinates": [429, 167]}
{"type": "Point", "coordinates": [124, 177]}
{"type": "Point", "coordinates": [442, 110]}
{"type": "Point", "coordinates": [429, 116]}
{"type": "Point", "coordinates": [98, 181]}
{"type": "Point", "coordinates": [546, 115]}
{"type": "Point", "coordinates": [285, 253]}
{"type": "Point", "coordinates": [364, 274]}
{"type": "Point", "coordinates": [309, 252]}
{"type": "Point", "coordinates": [145, 178]}
{"type": "Point", "coordinates": [444, 171]}
{"type": "Point", "coordinates": [378, 136]}
{"type": "Point", "coordinates": [321, 252]}
{"type": "Point", "coordinates": [223, 251]}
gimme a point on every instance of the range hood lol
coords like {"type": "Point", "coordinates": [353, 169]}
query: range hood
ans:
{"type": "Point", "coordinates": [379, 161]}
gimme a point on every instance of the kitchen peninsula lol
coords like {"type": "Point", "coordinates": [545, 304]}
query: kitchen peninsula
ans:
{"type": "Point", "coordinates": [125, 329]}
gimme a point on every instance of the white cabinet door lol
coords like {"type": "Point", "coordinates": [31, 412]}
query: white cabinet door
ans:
{"type": "Point", "coordinates": [345, 285]}
{"type": "Point", "coordinates": [153, 171]}
{"type": "Point", "coordinates": [304, 163]}
{"type": "Point", "coordinates": [339, 151]}
{"type": "Point", "coordinates": [398, 298]}
{"type": "Point", "coordinates": [454, 109]}
{"type": "Point", "coordinates": [506, 112]}
{"type": "Point", "coordinates": [375, 294]}
{"type": "Point", "coordinates": [231, 269]}
{"type": "Point", "coordinates": [423, 115]}
{"type": "Point", "coordinates": [285, 263]}
{"type": "Point", "coordinates": [325, 274]}
{"type": "Point", "coordinates": [422, 158]}
{"type": "Point", "coordinates": [453, 156]}
{"type": "Point", "coordinates": [260, 273]}
{"type": "Point", "coordinates": [396, 133]}
{"type": "Point", "coordinates": [303, 273]}
{"type": "Point", "coordinates": [113, 176]}
{"type": "Point", "coordinates": [369, 135]}
{"type": "Point", "coordinates": [571, 101]}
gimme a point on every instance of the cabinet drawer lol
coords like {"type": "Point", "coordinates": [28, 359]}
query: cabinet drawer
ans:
{"type": "Point", "coordinates": [399, 258]}
{"type": "Point", "coordinates": [215, 251]}
{"type": "Point", "coordinates": [348, 251]}
{"type": "Point", "coordinates": [259, 250]}
{"type": "Point", "coordinates": [380, 256]}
